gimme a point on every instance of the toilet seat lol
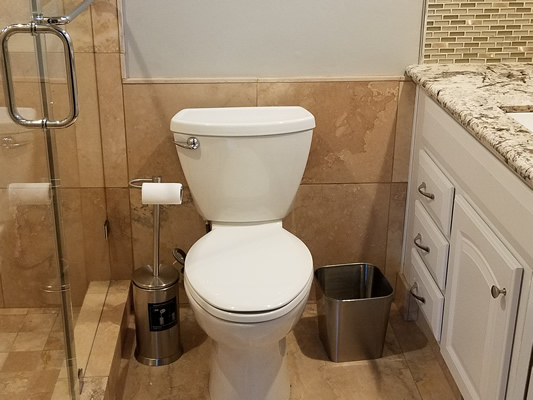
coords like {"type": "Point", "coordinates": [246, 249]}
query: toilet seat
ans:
{"type": "Point", "coordinates": [248, 273]}
{"type": "Point", "coordinates": [248, 318]}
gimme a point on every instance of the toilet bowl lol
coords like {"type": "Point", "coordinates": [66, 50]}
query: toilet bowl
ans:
{"type": "Point", "coordinates": [248, 279]}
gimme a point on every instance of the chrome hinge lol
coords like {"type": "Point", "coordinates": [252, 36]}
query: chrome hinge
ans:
{"type": "Point", "coordinates": [80, 378]}
{"type": "Point", "coordinates": [106, 229]}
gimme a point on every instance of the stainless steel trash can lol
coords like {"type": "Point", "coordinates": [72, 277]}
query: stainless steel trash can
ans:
{"type": "Point", "coordinates": [155, 300]}
{"type": "Point", "coordinates": [353, 304]}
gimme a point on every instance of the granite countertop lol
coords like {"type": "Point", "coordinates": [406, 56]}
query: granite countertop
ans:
{"type": "Point", "coordinates": [478, 96]}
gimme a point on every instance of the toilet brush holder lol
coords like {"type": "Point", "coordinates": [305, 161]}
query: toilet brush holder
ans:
{"type": "Point", "coordinates": [155, 300]}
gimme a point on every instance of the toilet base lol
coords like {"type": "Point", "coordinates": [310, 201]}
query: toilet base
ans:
{"type": "Point", "coordinates": [257, 374]}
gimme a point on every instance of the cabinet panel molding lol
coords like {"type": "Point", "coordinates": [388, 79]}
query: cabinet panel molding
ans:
{"type": "Point", "coordinates": [478, 329]}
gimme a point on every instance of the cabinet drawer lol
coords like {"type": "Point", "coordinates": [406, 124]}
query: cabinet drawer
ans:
{"type": "Point", "coordinates": [422, 285]}
{"type": "Point", "coordinates": [430, 244]}
{"type": "Point", "coordinates": [435, 191]}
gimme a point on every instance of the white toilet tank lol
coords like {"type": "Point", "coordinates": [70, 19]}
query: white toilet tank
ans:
{"type": "Point", "coordinates": [249, 162]}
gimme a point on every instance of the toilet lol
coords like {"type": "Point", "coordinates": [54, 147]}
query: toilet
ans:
{"type": "Point", "coordinates": [248, 279]}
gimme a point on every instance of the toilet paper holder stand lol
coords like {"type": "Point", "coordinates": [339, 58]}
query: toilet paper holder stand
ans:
{"type": "Point", "coordinates": [155, 293]}
{"type": "Point", "coordinates": [137, 183]}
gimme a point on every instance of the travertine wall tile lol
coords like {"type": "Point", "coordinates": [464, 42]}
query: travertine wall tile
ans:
{"type": "Point", "coordinates": [120, 236]}
{"type": "Point", "coordinates": [343, 223]}
{"type": "Point", "coordinates": [74, 243]}
{"type": "Point", "coordinates": [27, 255]}
{"type": "Point", "coordinates": [105, 26]}
{"type": "Point", "coordinates": [80, 29]}
{"type": "Point", "coordinates": [404, 131]}
{"type": "Point", "coordinates": [93, 206]}
{"type": "Point", "coordinates": [149, 109]}
{"type": "Point", "coordinates": [111, 107]}
{"type": "Point", "coordinates": [354, 135]}
{"type": "Point", "coordinates": [79, 146]}
{"type": "Point", "coordinates": [395, 231]}
{"type": "Point", "coordinates": [88, 125]}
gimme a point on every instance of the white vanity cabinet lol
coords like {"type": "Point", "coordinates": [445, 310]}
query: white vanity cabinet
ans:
{"type": "Point", "coordinates": [468, 256]}
{"type": "Point", "coordinates": [481, 306]}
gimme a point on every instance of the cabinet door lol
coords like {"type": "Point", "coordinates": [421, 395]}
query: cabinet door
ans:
{"type": "Point", "coordinates": [478, 328]}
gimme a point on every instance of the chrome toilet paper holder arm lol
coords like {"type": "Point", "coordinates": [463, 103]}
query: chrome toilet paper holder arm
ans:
{"type": "Point", "coordinates": [133, 183]}
{"type": "Point", "coordinates": [155, 179]}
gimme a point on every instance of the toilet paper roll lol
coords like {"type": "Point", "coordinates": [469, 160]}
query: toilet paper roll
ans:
{"type": "Point", "coordinates": [162, 193]}
{"type": "Point", "coordinates": [29, 193]}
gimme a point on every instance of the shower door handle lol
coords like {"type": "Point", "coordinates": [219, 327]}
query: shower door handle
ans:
{"type": "Point", "coordinates": [5, 67]}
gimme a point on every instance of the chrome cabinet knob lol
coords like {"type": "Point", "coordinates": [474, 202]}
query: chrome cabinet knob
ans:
{"type": "Point", "coordinates": [495, 291]}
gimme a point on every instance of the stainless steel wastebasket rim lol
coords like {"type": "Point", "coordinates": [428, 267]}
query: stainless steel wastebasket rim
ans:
{"type": "Point", "coordinates": [385, 284]}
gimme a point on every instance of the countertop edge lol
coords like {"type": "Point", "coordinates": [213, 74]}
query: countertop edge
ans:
{"type": "Point", "coordinates": [480, 113]}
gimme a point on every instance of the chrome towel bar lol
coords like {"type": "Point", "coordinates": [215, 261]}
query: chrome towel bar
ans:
{"type": "Point", "coordinates": [67, 19]}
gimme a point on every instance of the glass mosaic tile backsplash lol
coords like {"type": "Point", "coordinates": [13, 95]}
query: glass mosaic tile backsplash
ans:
{"type": "Point", "coordinates": [461, 31]}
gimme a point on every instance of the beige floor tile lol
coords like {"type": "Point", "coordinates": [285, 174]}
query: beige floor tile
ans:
{"type": "Point", "coordinates": [6, 341]}
{"type": "Point", "coordinates": [30, 341]}
{"type": "Point", "coordinates": [38, 323]}
{"type": "Point", "coordinates": [55, 341]}
{"type": "Point", "coordinates": [51, 360]}
{"type": "Point", "coordinates": [43, 382]}
{"type": "Point", "coordinates": [313, 376]}
{"type": "Point", "coordinates": [3, 357]}
{"type": "Point", "coordinates": [61, 390]}
{"type": "Point", "coordinates": [13, 385]}
{"type": "Point", "coordinates": [11, 323]}
{"type": "Point", "coordinates": [94, 388]}
{"type": "Point", "coordinates": [13, 311]}
{"type": "Point", "coordinates": [22, 361]}
{"type": "Point", "coordinates": [44, 310]}
{"type": "Point", "coordinates": [417, 349]}
{"type": "Point", "coordinates": [38, 396]}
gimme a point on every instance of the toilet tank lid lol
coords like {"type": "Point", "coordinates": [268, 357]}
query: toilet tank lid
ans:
{"type": "Point", "coordinates": [242, 121]}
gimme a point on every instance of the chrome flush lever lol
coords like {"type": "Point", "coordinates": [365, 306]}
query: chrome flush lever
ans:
{"type": "Point", "coordinates": [192, 143]}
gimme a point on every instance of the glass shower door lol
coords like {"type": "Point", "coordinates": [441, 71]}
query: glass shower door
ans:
{"type": "Point", "coordinates": [37, 350]}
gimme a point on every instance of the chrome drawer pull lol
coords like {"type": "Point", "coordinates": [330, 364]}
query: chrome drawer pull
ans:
{"type": "Point", "coordinates": [419, 298]}
{"type": "Point", "coordinates": [495, 291]}
{"type": "Point", "coordinates": [418, 243]}
{"type": "Point", "coordinates": [422, 191]}
{"type": "Point", "coordinates": [191, 144]}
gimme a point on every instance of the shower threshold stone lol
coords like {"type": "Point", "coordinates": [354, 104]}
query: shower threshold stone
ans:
{"type": "Point", "coordinates": [104, 315]}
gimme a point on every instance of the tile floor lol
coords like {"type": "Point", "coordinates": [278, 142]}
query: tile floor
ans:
{"type": "Point", "coordinates": [411, 367]}
{"type": "Point", "coordinates": [31, 352]}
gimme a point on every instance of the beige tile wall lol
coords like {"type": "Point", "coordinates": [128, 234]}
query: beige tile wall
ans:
{"type": "Point", "coordinates": [462, 31]}
{"type": "Point", "coordinates": [349, 207]}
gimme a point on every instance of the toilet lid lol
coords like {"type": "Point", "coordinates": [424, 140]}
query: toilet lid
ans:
{"type": "Point", "coordinates": [248, 269]}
